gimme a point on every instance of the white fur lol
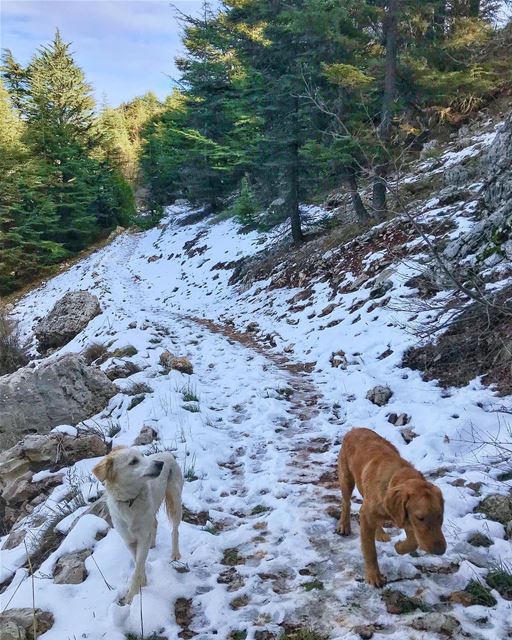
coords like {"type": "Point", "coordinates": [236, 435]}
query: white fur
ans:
{"type": "Point", "coordinates": [135, 491]}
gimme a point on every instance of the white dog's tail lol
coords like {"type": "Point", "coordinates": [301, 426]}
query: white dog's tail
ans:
{"type": "Point", "coordinates": [173, 503]}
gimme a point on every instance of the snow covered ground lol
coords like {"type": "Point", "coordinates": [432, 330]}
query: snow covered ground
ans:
{"type": "Point", "coordinates": [258, 447]}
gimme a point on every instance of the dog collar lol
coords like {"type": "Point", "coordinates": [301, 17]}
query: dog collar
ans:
{"type": "Point", "coordinates": [130, 501]}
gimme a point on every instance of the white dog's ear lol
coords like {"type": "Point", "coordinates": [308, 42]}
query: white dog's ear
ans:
{"type": "Point", "coordinates": [104, 470]}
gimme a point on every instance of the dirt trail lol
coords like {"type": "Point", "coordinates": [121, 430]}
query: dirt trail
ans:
{"type": "Point", "coordinates": [338, 599]}
{"type": "Point", "coordinates": [326, 607]}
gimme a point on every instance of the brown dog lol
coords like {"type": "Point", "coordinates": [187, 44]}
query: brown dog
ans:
{"type": "Point", "coordinates": [392, 490]}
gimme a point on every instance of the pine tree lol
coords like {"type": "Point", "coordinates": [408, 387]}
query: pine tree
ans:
{"type": "Point", "coordinates": [27, 215]}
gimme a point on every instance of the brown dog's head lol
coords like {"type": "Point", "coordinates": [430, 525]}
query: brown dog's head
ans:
{"type": "Point", "coordinates": [419, 504]}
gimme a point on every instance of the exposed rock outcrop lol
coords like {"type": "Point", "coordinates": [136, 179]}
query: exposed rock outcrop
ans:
{"type": "Point", "coordinates": [62, 391]}
{"type": "Point", "coordinates": [52, 451]}
{"type": "Point", "coordinates": [18, 491]}
{"type": "Point", "coordinates": [495, 226]}
{"type": "Point", "coordinates": [20, 623]}
{"type": "Point", "coordinates": [69, 316]}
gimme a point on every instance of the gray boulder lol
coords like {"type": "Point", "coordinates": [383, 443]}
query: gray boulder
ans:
{"type": "Point", "coordinates": [63, 391]}
{"type": "Point", "coordinates": [496, 507]}
{"type": "Point", "coordinates": [22, 621]}
{"type": "Point", "coordinates": [441, 623]}
{"type": "Point", "coordinates": [69, 316]}
{"type": "Point", "coordinates": [53, 451]}
{"type": "Point", "coordinates": [379, 395]}
{"type": "Point", "coordinates": [146, 436]}
{"type": "Point", "coordinates": [70, 568]}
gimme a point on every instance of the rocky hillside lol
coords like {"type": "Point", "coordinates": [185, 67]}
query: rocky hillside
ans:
{"type": "Point", "coordinates": [250, 361]}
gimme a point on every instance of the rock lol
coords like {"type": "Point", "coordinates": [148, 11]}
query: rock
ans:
{"type": "Point", "coordinates": [380, 290]}
{"type": "Point", "coordinates": [14, 539]}
{"type": "Point", "coordinates": [70, 315]}
{"type": "Point", "coordinates": [327, 310]}
{"type": "Point", "coordinates": [402, 420]}
{"type": "Point", "coordinates": [264, 635]}
{"type": "Point", "coordinates": [55, 450]}
{"type": "Point", "coordinates": [508, 530]}
{"type": "Point", "coordinates": [408, 435]}
{"type": "Point", "coordinates": [397, 602]}
{"type": "Point", "coordinates": [170, 362]}
{"type": "Point", "coordinates": [147, 435]}
{"type": "Point", "coordinates": [441, 623]}
{"type": "Point", "coordinates": [276, 209]}
{"type": "Point", "coordinates": [338, 360]}
{"type": "Point", "coordinates": [20, 491]}
{"type": "Point", "coordinates": [478, 539]}
{"type": "Point", "coordinates": [98, 508]}
{"type": "Point", "coordinates": [70, 568]}
{"type": "Point", "coordinates": [122, 369]}
{"type": "Point", "coordinates": [11, 630]}
{"type": "Point", "coordinates": [452, 194]}
{"type": "Point", "coordinates": [379, 395]}
{"type": "Point", "coordinates": [24, 618]}
{"type": "Point", "coordinates": [429, 149]}
{"type": "Point", "coordinates": [62, 391]}
{"type": "Point", "coordinates": [365, 631]}
{"type": "Point", "coordinates": [232, 579]}
{"type": "Point", "coordinates": [399, 420]}
{"type": "Point", "coordinates": [496, 507]}
{"type": "Point", "coordinates": [252, 327]}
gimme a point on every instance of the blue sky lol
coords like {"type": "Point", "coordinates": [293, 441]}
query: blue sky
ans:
{"type": "Point", "coordinates": [126, 47]}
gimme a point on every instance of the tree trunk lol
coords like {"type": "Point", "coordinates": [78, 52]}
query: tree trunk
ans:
{"type": "Point", "coordinates": [293, 180]}
{"type": "Point", "coordinates": [350, 182]}
{"type": "Point", "coordinates": [293, 195]}
{"type": "Point", "coordinates": [388, 99]}
{"type": "Point", "coordinates": [439, 21]}
{"type": "Point", "coordinates": [474, 8]}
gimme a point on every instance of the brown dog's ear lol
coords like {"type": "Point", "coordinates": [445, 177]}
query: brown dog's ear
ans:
{"type": "Point", "coordinates": [394, 503]}
{"type": "Point", "coordinates": [104, 470]}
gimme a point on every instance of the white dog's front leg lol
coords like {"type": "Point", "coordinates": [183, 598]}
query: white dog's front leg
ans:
{"type": "Point", "coordinates": [139, 575]}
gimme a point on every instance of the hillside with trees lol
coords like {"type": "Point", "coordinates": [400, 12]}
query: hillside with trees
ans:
{"type": "Point", "coordinates": [277, 104]}
{"type": "Point", "coordinates": [60, 189]}
{"type": "Point", "coordinates": [290, 99]}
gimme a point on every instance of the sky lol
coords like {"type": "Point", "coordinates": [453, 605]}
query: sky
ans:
{"type": "Point", "coordinates": [125, 47]}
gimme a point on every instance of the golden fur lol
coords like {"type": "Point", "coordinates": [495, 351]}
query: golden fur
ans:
{"type": "Point", "coordinates": [392, 489]}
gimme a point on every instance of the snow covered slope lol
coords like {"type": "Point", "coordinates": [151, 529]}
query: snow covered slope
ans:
{"type": "Point", "coordinates": [258, 444]}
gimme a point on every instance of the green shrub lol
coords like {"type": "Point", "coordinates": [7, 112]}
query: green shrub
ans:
{"type": "Point", "coordinates": [245, 207]}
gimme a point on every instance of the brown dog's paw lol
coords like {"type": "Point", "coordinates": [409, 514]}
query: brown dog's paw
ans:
{"type": "Point", "coordinates": [405, 546]}
{"type": "Point", "coordinates": [382, 536]}
{"type": "Point", "coordinates": [343, 530]}
{"type": "Point", "coordinates": [375, 579]}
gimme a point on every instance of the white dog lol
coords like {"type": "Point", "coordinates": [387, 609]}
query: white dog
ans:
{"type": "Point", "coordinates": [136, 486]}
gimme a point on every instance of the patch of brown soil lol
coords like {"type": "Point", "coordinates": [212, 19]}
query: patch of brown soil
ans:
{"type": "Point", "coordinates": [478, 343]}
